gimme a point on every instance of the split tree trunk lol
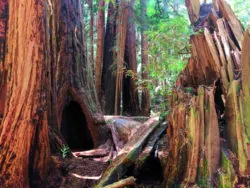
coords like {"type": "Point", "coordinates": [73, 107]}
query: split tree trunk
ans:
{"type": "Point", "coordinates": [208, 121]}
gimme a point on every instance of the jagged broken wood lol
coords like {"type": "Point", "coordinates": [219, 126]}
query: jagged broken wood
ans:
{"type": "Point", "coordinates": [128, 155]}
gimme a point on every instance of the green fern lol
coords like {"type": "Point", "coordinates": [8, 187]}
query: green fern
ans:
{"type": "Point", "coordinates": [65, 150]}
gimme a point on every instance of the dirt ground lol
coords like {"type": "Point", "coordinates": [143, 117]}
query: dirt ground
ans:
{"type": "Point", "coordinates": [74, 172]}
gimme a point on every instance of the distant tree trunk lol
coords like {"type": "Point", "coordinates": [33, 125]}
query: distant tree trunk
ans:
{"type": "Point", "coordinates": [130, 91]}
{"type": "Point", "coordinates": [24, 139]}
{"type": "Point", "coordinates": [145, 102]}
{"type": "Point", "coordinates": [91, 33]}
{"type": "Point", "coordinates": [108, 72]}
{"type": "Point", "coordinates": [47, 69]}
{"type": "Point", "coordinates": [122, 19]}
{"type": "Point", "coordinates": [100, 47]}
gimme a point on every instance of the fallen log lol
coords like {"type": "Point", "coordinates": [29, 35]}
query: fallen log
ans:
{"type": "Point", "coordinates": [151, 145]}
{"type": "Point", "coordinates": [129, 154]}
{"type": "Point", "coordinates": [92, 153]}
{"type": "Point", "coordinates": [122, 183]}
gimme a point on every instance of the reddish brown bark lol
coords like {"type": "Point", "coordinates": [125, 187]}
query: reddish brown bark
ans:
{"type": "Point", "coordinates": [121, 29]}
{"type": "Point", "coordinates": [3, 36]}
{"type": "Point", "coordinates": [100, 47]}
{"type": "Point", "coordinates": [108, 71]}
{"type": "Point", "coordinates": [47, 69]}
{"type": "Point", "coordinates": [130, 90]}
{"type": "Point", "coordinates": [24, 141]}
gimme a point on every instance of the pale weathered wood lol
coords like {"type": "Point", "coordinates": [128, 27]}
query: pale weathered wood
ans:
{"type": "Point", "coordinates": [129, 153]}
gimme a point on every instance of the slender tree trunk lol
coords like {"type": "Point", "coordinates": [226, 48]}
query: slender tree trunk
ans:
{"type": "Point", "coordinates": [108, 72]}
{"type": "Point", "coordinates": [91, 33]}
{"type": "Point", "coordinates": [24, 139]}
{"type": "Point", "coordinates": [145, 102]}
{"type": "Point", "coordinates": [122, 19]}
{"type": "Point", "coordinates": [100, 47]}
{"type": "Point", "coordinates": [130, 91]}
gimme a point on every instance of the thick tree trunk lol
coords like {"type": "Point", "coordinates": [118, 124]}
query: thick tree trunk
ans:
{"type": "Point", "coordinates": [121, 29]}
{"type": "Point", "coordinates": [130, 91]}
{"type": "Point", "coordinates": [108, 72]}
{"type": "Point", "coordinates": [49, 82]}
{"type": "Point", "coordinates": [145, 102]}
{"type": "Point", "coordinates": [100, 48]}
{"type": "Point", "coordinates": [24, 139]}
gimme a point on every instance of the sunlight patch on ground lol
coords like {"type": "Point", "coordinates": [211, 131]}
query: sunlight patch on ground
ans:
{"type": "Point", "coordinates": [86, 177]}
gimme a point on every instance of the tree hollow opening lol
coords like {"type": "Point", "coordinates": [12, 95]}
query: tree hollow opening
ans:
{"type": "Point", "coordinates": [74, 127]}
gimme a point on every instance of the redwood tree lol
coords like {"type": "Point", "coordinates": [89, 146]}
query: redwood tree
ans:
{"type": "Point", "coordinates": [130, 90]}
{"type": "Point", "coordinates": [100, 46]}
{"type": "Point", "coordinates": [46, 69]}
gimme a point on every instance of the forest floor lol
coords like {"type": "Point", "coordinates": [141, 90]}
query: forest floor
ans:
{"type": "Point", "coordinates": [86, 172]}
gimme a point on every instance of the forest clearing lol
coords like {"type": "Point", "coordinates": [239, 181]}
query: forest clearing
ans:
{"type": "Point", "coordinates": [125, 93]}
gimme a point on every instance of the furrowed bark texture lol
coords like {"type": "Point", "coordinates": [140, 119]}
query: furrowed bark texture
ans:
{"type": "Point", "coordinates": [108, 71]}
{"type": "Point", "coordinates": [24, 139]}
{"type": "Point", "coordinates": [100, 47]}
{"type": "Point", "coordinates": [208, 124]}
{"type": "Point", "coordinates": [45, 69]}
{"type": "Point", "coordinates": [130, 91]}
{"type": "Point", "coordinates": [4, 9]}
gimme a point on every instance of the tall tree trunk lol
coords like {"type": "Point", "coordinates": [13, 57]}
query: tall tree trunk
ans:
{"type": "Point", "coordinates": [108, 73]}
{"type": "Point", "coordinates": [145, 102]}
{"type": "Point", "coordinates": [91, 33]}
{"type": "Point", "coordinates": [24, 139]}
{"type": "Point", "coordinates": [130, 91]}
{"type": "Point", "coordinates": [100, 47]}
{"type": "Point", "coordinates": [122, 19]}
{"type": "Point", "coordinates": [47, 70]}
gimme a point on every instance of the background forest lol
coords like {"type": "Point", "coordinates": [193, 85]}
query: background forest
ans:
{"type": "Point", "coordinates": [167, 28]}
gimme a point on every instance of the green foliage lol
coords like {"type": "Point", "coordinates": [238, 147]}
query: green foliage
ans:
{"type": "Point", "coordinates": [65, 150]}
{"type": "Point", "coordinates": [242, 10]}
{"type": "Point", "coordinates": [168, 51]}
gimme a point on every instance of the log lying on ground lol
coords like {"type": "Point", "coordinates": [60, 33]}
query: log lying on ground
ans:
{"type": "Point", "coordinates": [123, 183]}
{"type": "Point", "coordinates": [128, 155]}
{"type": "Point", "coordinates": [148, 149]}
{"type": "Point", "coordinates": [92, 153]}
